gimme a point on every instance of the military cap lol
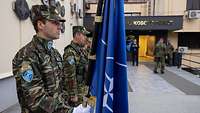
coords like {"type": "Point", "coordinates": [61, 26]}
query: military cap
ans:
{"type": "Point", "coordinates": [80, 29]}
{"type": "Point", "coordinates": [45, 12]}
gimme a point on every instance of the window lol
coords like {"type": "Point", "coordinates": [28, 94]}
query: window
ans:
{"type": "Point", "coordinates": [189, 39]}
{"type": "Point", "coordinates": [193, 5]}
{"type": "Point", "coordinates": [135, 0]}
{"type": "Point", "coordinates": [91, 1]}
{"type": "Point", "coordinates": [132, 14]}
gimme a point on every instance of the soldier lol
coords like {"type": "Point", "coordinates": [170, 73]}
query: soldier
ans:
{"type": "Point", "coordinates": [75, 66]}
{"type": "Point", "coordinates": [134, 50]}
{"type": "Point", "coordinates": [160, 53]}
{"type": "Point", "coordinates": [169, 50]}
{"type": "Point", "coordinates": [38, 68]}
{"type": "Point", "coordinates": [87, 47]}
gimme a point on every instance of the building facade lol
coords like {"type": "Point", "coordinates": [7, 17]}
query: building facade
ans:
{"type": "Point", "coordinates": [149, 20]}
{"type": "Point", "coordinates": [188, 36]}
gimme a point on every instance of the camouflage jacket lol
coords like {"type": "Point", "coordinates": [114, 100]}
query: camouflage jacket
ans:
{"type": "Point", "coordinates": [75, 63]}
{"type": "Point", "coordinates": [160, 50]}
{"type": "Point", "coordinates": [38, 71]}
{"type": "Point", "coordinates": [169, 48]}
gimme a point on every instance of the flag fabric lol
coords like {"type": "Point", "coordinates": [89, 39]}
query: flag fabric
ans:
{"type": "Point", "coordinates": [109, 83]}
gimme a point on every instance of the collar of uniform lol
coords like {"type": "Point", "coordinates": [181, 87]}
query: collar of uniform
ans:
{"type": "Point", "coordinates": [43, 43]}
{"type": "Point", "coordinates": [76, 45]}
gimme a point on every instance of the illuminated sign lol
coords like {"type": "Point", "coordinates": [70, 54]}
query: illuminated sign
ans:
{"type": "Point", "coordinates": [150, 22]}
{"type": "Point", "coordinates": [144, 22]}
{"type": "Point", "coordinates": [154, 22]}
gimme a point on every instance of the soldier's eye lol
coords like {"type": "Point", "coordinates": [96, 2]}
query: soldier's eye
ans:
{"type": "Point", "coordinates": [54, 22]}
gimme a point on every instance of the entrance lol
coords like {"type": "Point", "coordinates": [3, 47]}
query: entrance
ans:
{"type": "Point", "coordinates": [146, 47]}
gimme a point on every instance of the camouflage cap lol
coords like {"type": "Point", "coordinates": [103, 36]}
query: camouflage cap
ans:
{"type": "Point", "coordinates": [45, 12]}
{"type": "Point", "coordinates": [80, 29]}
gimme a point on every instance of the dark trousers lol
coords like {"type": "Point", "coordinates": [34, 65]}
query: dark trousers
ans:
{"type": "Point", "coordinates": [135, 59]}
{"type": "Point", "coordinates": [169, 60]}
{"type": "Point", "coordinates": [179, 60]}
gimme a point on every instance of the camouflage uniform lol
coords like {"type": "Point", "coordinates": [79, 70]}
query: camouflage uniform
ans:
{"type": "Point", "coordinates": [75, 66]}
{"type": "Point", "coordinates": [160, 53]}
{"type": "Point", "coordinates": [38, 71]}
{"type": "Point", "coordinates": [169, 51]}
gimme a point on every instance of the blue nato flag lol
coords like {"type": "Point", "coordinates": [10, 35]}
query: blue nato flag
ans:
{"type": "Point", "coordinates": [109, 83]}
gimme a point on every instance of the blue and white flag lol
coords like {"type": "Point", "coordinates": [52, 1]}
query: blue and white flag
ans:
{"type": "Point", "coordinates": [109, 83]}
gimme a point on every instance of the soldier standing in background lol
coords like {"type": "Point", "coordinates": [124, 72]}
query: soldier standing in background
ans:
{"type": "Point", "coordinates": [169, 50]}
{"type": "Point", "coordinates": [159, 54]}
{"type": "Point", "coordinates": [134, 51]}
{"type": "Point", "coordinates": [86, 49]}
{"type": "Point", "coordinates": [75, 66]}
{"type": "Point", "coordinates": [38, 68]}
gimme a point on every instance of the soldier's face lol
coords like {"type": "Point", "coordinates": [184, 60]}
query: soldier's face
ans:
{"type": "Point", "coordinates": [82, 39]}
{"type": "Point", "coordinates": [161, 40]}
{"type": "Point", "coordinates": [52, 29]}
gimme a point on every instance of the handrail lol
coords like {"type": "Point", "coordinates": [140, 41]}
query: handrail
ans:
{"type": "Point", "coordinates": [193, 54]}
{"type": "Point", "coordinates": [191, 61]}
{"type": "Point", "coordinates": [190, 66]}
{"type": "Point", "coordinates": [187, 65]}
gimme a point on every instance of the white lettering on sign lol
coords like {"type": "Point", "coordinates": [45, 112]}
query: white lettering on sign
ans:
{"type": "Point", "coordinates": [140, 23]}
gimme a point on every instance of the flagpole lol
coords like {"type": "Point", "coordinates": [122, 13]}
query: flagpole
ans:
{"type": "Point", "coordinates": [92, 60]}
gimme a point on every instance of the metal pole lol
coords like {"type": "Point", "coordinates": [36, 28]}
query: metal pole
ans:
{"type": "Point", "coordinates": [94, 45]}
{"type": "Point", "coordinates": [154, 5]}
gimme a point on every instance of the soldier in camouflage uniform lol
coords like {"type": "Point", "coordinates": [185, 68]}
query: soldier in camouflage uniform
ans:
{"type": "Point", "coordinates": [38, 67]}
{"type": "Point", "coordinates": [87, 47]}
{"type": "Point", "coordinates": [169, 51]}
{"type": "Point", "coordinates": [75, 64]}
{"type": "Point", "coordinates": [159, 54]}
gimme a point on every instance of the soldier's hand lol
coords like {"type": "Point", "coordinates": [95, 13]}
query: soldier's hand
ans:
{"type": "Point", "coordinates": [91, 101]}
{"type": "Point", "coordinates": [74, 98]}
{"type": "Point", "coordinates": [81, 109]}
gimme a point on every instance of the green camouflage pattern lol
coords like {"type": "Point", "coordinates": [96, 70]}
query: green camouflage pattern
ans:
{"type": "Point", "coordinates": [169, 49]}
{"type": "Point", "coordinates": [75, 66]}
{"type": "Point", "coordinates": [80, 29]}
{"type": "Point", "coordinates": [42, 94]}
{"type": "Point", "coordinates": [160, 54]}
{"type": "Point", "coordinates": [45, 12]}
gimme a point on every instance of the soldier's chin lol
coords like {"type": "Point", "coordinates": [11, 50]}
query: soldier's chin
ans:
{"type": "Point", "coordinates": [55, 37]}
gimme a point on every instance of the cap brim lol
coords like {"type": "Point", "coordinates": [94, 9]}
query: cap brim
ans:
{"type": "Point", "coordinates": [62, 20]}
{"type": "Point", "coordinates": [86, 32]}
{"type": "Point", "coordinates": [57, 18]}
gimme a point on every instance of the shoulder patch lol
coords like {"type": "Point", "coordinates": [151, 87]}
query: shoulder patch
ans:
{"type": "Point", "coordinates": [26, 72]}
{"type": "Point", "coordinates": [27, 75]}
{"type": "Point", "coordinates": [71, 60]}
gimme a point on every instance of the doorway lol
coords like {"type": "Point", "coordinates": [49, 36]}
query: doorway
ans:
{"type": "Point", "coordinates": [146, 47]}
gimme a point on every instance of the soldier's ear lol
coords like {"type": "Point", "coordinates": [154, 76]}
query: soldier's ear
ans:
{"type": "Point", "coordinates": [40, 24]}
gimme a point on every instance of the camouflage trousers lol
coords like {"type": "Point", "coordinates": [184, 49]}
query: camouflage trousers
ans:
{"type": "Point", "coordinates": [39, 110]}
{"type": "Point", "coordinates": [82, 92]}
{"type": "Point", "coordinates": [160, 63]}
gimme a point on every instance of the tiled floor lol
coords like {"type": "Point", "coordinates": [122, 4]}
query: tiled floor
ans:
{"type": "Point", "coordinates": [153, 94]}
{"type": "Point", "coordinates": [144, 81]}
